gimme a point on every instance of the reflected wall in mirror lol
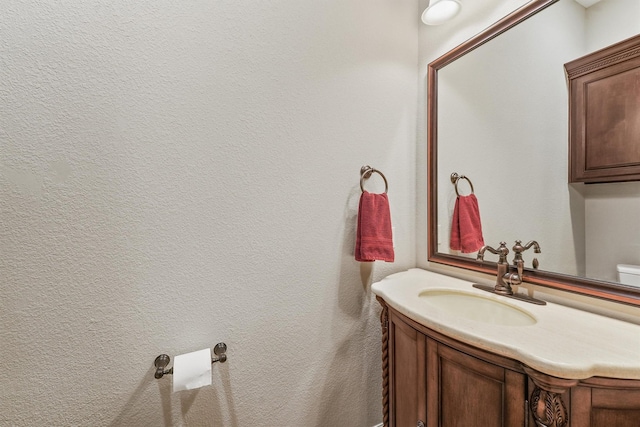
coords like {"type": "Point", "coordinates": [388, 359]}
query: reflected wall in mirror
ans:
{"type": "Point", "coordinates": [498, 114]}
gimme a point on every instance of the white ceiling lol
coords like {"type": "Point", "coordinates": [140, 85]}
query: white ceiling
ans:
{"type": "Point", "coordinates": [587, 3]}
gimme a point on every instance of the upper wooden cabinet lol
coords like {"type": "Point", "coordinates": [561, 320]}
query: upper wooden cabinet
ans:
{"type": "Point", "coordinates": [604, 114]}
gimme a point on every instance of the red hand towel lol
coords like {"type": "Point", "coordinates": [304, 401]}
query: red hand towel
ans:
{"type": "Point", "coordinates": [466, 230]}
{"type": "Point", "coordinates": [374, 240]}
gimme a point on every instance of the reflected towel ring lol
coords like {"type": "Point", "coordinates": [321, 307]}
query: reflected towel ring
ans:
{"type": "Point", "coordinates": [365, 173]}
{"type": "Point", "coordinates": [455, 178]}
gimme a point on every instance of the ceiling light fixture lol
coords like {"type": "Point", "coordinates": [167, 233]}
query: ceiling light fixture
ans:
{"type": "Point", "coordinates": [440, 11]}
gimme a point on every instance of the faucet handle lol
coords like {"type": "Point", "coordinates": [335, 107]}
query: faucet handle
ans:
{"type": "Point", "coordinates": [503, 251]}
{"type": "Point", "coordinates": [518, 249]}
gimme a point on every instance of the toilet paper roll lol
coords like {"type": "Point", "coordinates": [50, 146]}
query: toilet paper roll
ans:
{"type": "Point", "coordinates": [192, 370]}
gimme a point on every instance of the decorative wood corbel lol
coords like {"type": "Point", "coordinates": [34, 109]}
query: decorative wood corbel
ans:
{"type": "Point", "coordinates": [546, 404]}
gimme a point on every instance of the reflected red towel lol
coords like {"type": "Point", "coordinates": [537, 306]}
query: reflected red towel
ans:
{"type": "Point", "coordinates": [466, 230]}
{"type": "Point", "coordinates": [374, 240]}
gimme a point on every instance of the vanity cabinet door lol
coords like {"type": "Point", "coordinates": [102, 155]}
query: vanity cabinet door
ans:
{"type": "Point", "coordinates": [604, 407]}
{"type": "Point", "coordinates": [464, 391]}
{"type": "Point", "coordinates": [407, 401]}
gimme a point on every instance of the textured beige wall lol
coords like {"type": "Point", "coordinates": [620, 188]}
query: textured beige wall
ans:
{"type": "Point", "coordinates": [174, 174]}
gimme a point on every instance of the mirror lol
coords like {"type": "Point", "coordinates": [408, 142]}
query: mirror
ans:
{"type": "Point", "coordinates": [498, 114]}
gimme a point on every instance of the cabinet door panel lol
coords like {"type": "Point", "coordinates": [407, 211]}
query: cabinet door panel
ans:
{"type": "Point", "coordinates": [616, 399]}
{"type": "Point", "coordinates": [471, 391]}
{"type": "Point", "coordinates": [469, 398]}
{"type": "Point", "coordinates": [407, 365]}
{"type": "Point", "coordinates": [515, 400]}
{"type": "Point", "coordinates": [603, 407]}
{"type": "Point", "coordinates": [610, 407]}
{"type": "Point", "coordinates": [615, 417]}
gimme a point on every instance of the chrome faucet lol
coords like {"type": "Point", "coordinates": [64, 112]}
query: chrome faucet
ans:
{"type": "Point", "coordinates": [506, 278]}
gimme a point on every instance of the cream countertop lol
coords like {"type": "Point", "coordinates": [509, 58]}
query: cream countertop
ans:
{"type": "Point", "coordinates": [564, 342]}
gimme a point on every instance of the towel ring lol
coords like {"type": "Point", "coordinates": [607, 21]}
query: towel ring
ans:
{"type": "Point", "coordinates": [365, 173]}
{"type": "Point", "coordinates": [455, 178]}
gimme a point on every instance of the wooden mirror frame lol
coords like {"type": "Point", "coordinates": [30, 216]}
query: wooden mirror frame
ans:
{"type": "Point", "coordinates": [579, 285]}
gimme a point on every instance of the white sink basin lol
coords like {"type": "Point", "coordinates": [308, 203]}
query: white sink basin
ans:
{"type": "Point", "coordinates": [476, 307]}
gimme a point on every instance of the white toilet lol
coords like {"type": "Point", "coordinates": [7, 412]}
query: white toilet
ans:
{"type": "Point", "coordinates": [629, 274]}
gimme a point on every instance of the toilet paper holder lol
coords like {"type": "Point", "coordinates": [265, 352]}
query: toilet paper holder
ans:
{"type": "Point", "coordinates": [161, 362]}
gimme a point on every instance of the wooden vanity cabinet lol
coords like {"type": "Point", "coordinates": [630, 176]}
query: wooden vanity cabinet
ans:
{"type": "Point", "coordinates": [432, 380]}
{"type": "Point", "coordinates": [605, 402]}
{"type": "Point", "coordinates": [443, 383]}
{"type": "Point", "coordinates": [407, 374]}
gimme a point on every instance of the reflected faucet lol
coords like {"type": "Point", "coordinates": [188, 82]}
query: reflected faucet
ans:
{"type": "Point", "coordinates": [518, 249]}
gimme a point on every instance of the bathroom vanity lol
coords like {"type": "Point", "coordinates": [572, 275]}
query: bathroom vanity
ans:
{"type": "Point", "coordinates": [454, 355]}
